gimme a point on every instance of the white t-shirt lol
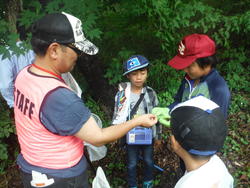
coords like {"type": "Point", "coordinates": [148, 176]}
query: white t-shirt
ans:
{"type": "Point", "coordinates": [213, 174]}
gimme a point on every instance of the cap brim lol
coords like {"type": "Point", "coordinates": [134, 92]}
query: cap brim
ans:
{"type": "Point", "coordinates": [87, 47]}
{"type": "Point", "coordinates": [136, 68]}
{"type": "Point", "coordinates": [181, 62]}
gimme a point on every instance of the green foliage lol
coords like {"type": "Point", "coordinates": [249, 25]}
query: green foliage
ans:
{"type": "Point", "coordinates": [85, 10]}
{"type": "Point", "coordinates": [116, 165]}
{"type": "Point", "coordinates": [96, 109]}
{"type": "Point", "coordinates": [34, 10]}
{"type": "Point", "coordinates": [117, 182]}
{"type": "Point", "coordinates": [231, 145]}
{"type": "Point", "coordinates": [236, 69]}
{"type": "Point", "coordinates": [236, 146]}
{"type": "Point", "coordinates": [19, 49]}
{"type": "Point", "coordinates": [238, 103]}
{"type": "Point", "coordinates": [6, 129]}
{"type": "Point", "coordinates": [4, 28]}
{"type": "Point", "coordinates": [4, 152]}
{"type": "Point", "coordinates": [10, 41]}
{"type": "Point", "coordinates": [157, 180]}
{"type": "Point", "coordinates": [114, 70]}
{"type": "Point", "coordinates": [165, 80]}
{"type": "Point", "coordinates": [153, 29]}
{"type": "Point", "coordinates": [164, 23]}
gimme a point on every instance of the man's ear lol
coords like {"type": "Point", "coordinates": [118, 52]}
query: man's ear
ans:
{"type": "Point", "coordinates": [53, 50]}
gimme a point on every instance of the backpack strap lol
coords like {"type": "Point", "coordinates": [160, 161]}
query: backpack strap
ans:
{"type": "Point", "coordinates": [151, 96]}
{"type": "Point", "coordinates": [133, 111]}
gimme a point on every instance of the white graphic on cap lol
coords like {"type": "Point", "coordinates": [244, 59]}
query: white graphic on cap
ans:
{"type": "Point", "coordinates": [80, 41]}
{"type": "Point", "coordinates": [132, 63]}
{"type": "Point", "coordinates": [181, 48]}
{"type": "Point", "coordinates": [76, 25]}
{"type": "Point", "coordinates": [78, 28]}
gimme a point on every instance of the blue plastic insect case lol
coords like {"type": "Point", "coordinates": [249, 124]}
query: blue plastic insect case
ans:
{"type": "Point", "coordinates": [139, 136]}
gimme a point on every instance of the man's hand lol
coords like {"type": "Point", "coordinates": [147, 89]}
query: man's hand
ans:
{"type": "Point", "coordinates": [162, 115]}
{"type": "Point", "coordinates": [146, 120]}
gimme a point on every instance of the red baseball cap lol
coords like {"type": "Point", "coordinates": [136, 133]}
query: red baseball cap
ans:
{"type": "Point", "coordinates": [190, 48]}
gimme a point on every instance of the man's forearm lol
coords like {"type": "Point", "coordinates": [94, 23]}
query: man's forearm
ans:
{"type": "Point", "coordinates": [114, 132]}
{"type": "Point", "coordinates": [91, 133]}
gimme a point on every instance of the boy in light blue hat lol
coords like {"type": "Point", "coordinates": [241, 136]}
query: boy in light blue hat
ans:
{"type": "Point", "coordinates": [132, 99]}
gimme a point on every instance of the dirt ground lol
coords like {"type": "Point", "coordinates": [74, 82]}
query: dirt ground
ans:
{"type": "Point", "coordinates": [115, 169]}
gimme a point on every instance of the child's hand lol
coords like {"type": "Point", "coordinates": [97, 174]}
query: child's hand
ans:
{"type": "Point", "coordinates": [162, 114]}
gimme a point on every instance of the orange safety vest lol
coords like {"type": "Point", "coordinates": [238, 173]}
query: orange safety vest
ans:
{"type": "Point", "coordinates": [39, 146]}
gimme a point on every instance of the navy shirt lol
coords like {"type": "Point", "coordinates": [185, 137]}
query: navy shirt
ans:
{"type": "Point", "coordinates": [211, 86]}
{"type": "Point", "coordinates": [62, 113]}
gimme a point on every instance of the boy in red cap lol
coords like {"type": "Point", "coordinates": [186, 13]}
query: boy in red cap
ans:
{"type": "Point", "coordinates": [196, 57]}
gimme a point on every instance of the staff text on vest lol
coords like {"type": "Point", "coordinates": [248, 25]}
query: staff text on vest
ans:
{"type": "Point", "coordinates": [23, 103]}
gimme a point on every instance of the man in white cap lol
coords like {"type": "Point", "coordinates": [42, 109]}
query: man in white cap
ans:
{"type": "Point", "coordinates": [51, 120]}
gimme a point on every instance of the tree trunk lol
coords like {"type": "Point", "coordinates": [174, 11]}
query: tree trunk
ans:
{"type": "Point", "coordinates": [14, 7]}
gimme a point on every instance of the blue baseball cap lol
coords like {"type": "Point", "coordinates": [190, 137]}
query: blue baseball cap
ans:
{"type": "Point", "coordinates": [135, 62]}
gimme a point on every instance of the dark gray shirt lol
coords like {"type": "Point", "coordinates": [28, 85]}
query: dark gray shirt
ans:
{"type": "Point", "coordinates": [62, 113]}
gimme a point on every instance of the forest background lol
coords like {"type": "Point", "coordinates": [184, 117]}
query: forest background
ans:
{"type": "Point", "coordinates": [152, 28]}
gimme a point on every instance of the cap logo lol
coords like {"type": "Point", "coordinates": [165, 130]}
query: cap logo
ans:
{"type": "Point", "coordinates": [132, 63]}
{"type": "Point", "coordinates": [181, 48]}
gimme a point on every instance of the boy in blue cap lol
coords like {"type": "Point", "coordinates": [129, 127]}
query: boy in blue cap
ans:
{"type": "Point", "coordinates": [133, 98]}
